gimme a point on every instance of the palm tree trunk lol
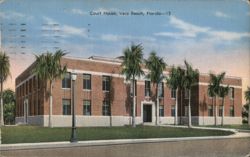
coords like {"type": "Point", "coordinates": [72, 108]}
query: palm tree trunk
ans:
{"type": "Point", "coordinates": [176, 107]}
{"type": "Point", "coordinates": [215, 113]}
{"type": "Point", "coordinates": [1, 105]}
{"type": "Point", "coordinates": [189, 110]}
{"type": "Point", "coordinates": [50, 105]}
{"type": "Point", "coordinates": [157, 106]}
{"type": "Point", "coordinates": [222, 120]}
{"type": "Point", "coordinates": [133, 117]}
{"type": "Point", "coordinates": [181, 108]}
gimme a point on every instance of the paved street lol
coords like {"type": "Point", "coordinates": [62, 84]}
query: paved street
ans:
{"type": "Point", "coordinates": [232, 147]}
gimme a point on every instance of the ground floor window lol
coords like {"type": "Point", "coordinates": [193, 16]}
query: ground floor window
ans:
{"type": "Point", "coordinates": [66, 107]}
{"type": "Point", "coordinates": [86, 107]}
{"type": "Point", "coordinates": [220, 110]}
{"type": "Point", "coordinates": [173, 110]}
{"type": "Point", "coordinates": [210, 110]}
{"type": "Point", "coordinates": [231, 111]}
{"type": "Point", "coordinates": [161, 111]}
{"type": "Point", "coordinates": [106, 108]}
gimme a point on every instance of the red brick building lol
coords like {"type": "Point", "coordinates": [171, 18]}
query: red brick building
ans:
{"type": "Point", "coordinates": [103, 98]}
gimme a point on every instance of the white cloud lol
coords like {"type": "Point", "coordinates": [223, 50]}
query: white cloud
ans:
{"type": "Point", "coordinates": [14, 15]}
{"type": "Point", "coordinates": [191, 31]}
{"type": "Point", "coordinates": [113, 37]}
{"type": "Point", "coordinates": [1, 1]}
{"type": "Point", "coordinates": [221, 14]}
{"type": "Point", "coordinates": [78, 12]}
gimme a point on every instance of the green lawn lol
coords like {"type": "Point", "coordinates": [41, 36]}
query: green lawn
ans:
{"type": "Point", "coordinates": [26, 134]}
{"type": "Point", "coordinates": [241, 127]}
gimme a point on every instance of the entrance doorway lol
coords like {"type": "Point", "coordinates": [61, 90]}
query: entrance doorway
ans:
{"type": "Point", "coordinates": [147, 113]}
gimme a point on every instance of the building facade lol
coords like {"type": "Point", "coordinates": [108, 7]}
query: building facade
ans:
{"type": "Point", "coordinates": [103, 98]}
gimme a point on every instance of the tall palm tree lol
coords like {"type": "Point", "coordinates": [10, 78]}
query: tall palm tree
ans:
{"type": "Point", "coordinates": [213, 89]}
{"type": "Point", "coordinates": [156, 66]}
{"type": "Point", "coordinates": [191, 78]}
{"type": "Point", "coordinates": [247, 97]}
{"type": "Point", "coordinates": [4, 73]}
{"type": "Point", "coordinates": [131, 68]}
{"type": "Point", "coordinates": [223, 91]}
{"type": "Point", "coordinates": [175, 81]}
{"type": "Point", "coordinates": [48, 68]}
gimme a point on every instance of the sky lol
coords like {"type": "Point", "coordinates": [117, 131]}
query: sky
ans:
{"type": "Point", "coordinates": [214, 36]}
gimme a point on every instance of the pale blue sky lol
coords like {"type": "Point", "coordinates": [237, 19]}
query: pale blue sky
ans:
{"type": "Point", "coordinates": [212, 35]}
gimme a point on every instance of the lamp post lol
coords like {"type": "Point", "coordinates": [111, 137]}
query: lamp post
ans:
{"type": "Point", "coordinates": [73, 128]}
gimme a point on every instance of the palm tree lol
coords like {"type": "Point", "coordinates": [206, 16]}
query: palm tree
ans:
{"type": "Point", "coordinates": [131, 68]}
{"type": "Point", "coordinates": [247, 97]}
{"type": "Point", "coordinates": [223, 91]}
{"type": "Point", "coordinates": [175, 81]}
{"type": "Point", "coordinates": [48, 68]}
{"type": "Point", "coordinates": [4, 73]}
{"type": "Point", "coordinates": [156, 66]}
{"type": "Point", "coordinates": [191, 78]}
{"type": "Point", "coordinates": [213, 89]}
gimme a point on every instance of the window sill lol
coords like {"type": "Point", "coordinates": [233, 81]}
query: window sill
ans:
{"type": "Point", "coordinates": [87, 90]}
{"type": "Point", "coordinates": [66, 88]}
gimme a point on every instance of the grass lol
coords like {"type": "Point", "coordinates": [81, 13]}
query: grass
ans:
{"type": "Point", "coordinates": [241, 127]}
{"type": "Point", "coordinates": [30, 134]}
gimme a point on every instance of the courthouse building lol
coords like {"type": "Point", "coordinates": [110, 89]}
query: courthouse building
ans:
{"type": "Point", "coordinates": [103, 98]}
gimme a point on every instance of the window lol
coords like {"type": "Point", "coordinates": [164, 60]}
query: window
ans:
{"type": "Point", "coordinates": [186, 94]}
{"type": "Point", "coordinates": [173, 93]}
{"type": "Point", "coordinates": [173, 110]}
{"type": "Point", "coordinates": [86, 107]}
{"type": "Point", "coordinates": [105, 83]}
{"type": "Point", "coordinates": [220, 110]}
{"type": "Point", "coordinates": [87, 81]}
{"type": "Point", "coordinates": [231, 93]}
{"type": "Point", "coordinates": [210, 110]}
{"type": "Point", "coordinates": [106, 108]}
{"type": "Point", "coordinates": [161, 110]}
{"type": "Point", "coordinates": [231, 112]}
{"type": "Point", "coordinates": [66, 82]}
{"type": "Point", "coordinates": [161, 89]}
{"type": "Point", "coordinates": [131, 88]}
{"type": "Point", "coordinates": [66, 107]}
{"type": "Point", "coordinates": [186, 110]}
{"type": "Point", "coordinates": [147, 88]}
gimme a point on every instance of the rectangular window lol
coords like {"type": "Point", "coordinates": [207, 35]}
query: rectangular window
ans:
{"type": "Point", "coordinates": [186, 94]}
{"type": "Point", "coordinates": [173, 93]}
{"type": "Point", "coordinates": [66, 82]}
{"type": "Point", "coordinates": [106, 83]}
{"type": "Point", "coordinates": [231, 93]}
{"type": "Point", "coordinates": [161, 90]}
{"type": "Point", "coordinates": [131, 88]}
{"type": "Point", "coordinates": [106, 108]}
{"type": "Point", "coordinates": [220, 110]}
{"type": "Point", "coordinates": [86, 107]}
{"type": "Point", "coordinates": [161, 110]}
{"type": "Point", "coordinates": [186, 110]}
{"type": "Point", "coordinates": [87, 81]}
{"type": "Point", "coordinates": [231, 111]}
{"type": "Point", "coordinates": [173, 110]}
{"type": "Point", "coordinates": [147, 88]}
{"type": "Point", "coordinates": [210, 110]}
{"type": "Point", "coordinates": [66, 107]}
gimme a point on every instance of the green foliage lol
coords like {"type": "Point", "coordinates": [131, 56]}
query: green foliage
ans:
{"type": "Point", "coordinates": [191, 76]}
{"type": "Point", "coordinates": [247, 94]}
{"type": "Point", "coordinates": [214, 87]}
{"type": "Point", "coordinates": [9, 106]}
{"type": "Point", "coordinates": [176, 78]}
{"type": "Point", "coordinates": [245, 110]}
{"type": "Point", "coordinates": [4, 67]}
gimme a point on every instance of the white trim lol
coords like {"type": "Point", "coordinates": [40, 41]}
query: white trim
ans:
{"type": "Point", "coordinates": [91, 60]}
{"type": "Point", "coordinates": [206, 84]}
{"type": "Point", "coordinates": [95, 73]}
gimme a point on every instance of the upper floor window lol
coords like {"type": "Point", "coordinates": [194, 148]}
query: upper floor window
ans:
{"type": "Point", "coordinates": [231, 92]}
{"type": "Point", "coordinates": [173, 93]}
{"type": "Point", "coordinates": [131, 88]}
{"type": "Point", "coordinates": [87, 81]}
{"type": "Point", "coordinates": [106, 83]}
{"type": "Point", "coordinates": [147, 88]}
{"type": "Point", "coordinates": [66, 82]}
{"type": "Point", "coordinates": [161, 89]}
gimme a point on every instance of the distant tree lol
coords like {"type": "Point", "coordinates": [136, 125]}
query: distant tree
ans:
{"type": "Point", "coordinates": [48, 68]}
{"type": "Point", "coordinates": [4, 73]}
{"type": "Point", "coordinates": [131, 68]}
{"type": "Point", "coordinates": [191, 78]}
{"type": "Point", "coordinates": [156, 66]}
{"type": "Point", "coordinates": [245, 113]}
{"type": "Point", "coordinates": [223, 91]}
{"type": "Point", "coordinates": [213, 90]}
{"type": "Point", "coordinates": [247, 97]}
{"type": "Point", "coordinates": [9, 106]}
